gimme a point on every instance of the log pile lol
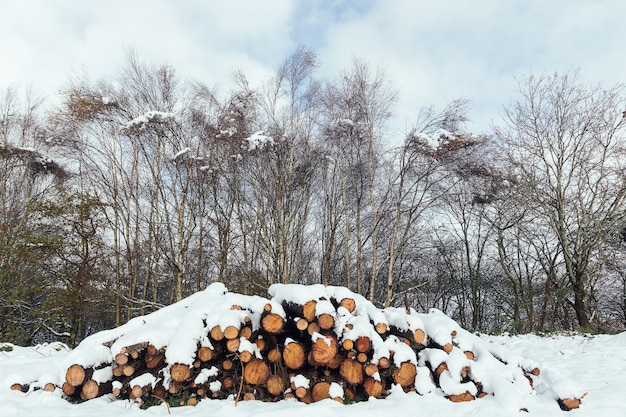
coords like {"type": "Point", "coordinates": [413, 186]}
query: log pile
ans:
{"type": "Point", "coordinates": [309, 343]}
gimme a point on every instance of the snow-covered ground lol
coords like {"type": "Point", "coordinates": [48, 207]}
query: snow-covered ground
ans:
{"type": "Point", "coordinates": [595, 364]}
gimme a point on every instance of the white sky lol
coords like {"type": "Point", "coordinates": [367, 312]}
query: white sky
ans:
{"type": "Point", "coordinates": [433, 50]}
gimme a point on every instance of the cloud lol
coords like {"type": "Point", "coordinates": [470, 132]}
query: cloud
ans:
{"type": "Point", "coordinates": [434, 51]}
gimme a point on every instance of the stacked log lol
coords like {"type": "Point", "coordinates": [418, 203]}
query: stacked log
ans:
{"type": "Point", "coordinates": [309, 343]}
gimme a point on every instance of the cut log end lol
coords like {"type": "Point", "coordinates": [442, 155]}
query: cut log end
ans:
{"type": "Point", "coordinates": [75, 375]}
{"type": "Point", "coordinates": [294, 355]}
{"type": "Point", "coordinates": [373, 387]}
{"type": "Point", "coordinates": [256, 372]}
{"type": "Point", "coordinates": [325, 321]}
{"type": "Point", "coordinates": [352, 371]}
{"type": "Point", "coordinates": [272, 323]}
{"type": "Point", "coordinates": [349, 304]}
{"type": "Point", "coordinates": [568, 404]}
{"type": "Point", "coordinates": [458, 398]}
{"type": "Point", "coordinates": [180, 372]}
{"type": "Point", "coordinates": [405, 374]}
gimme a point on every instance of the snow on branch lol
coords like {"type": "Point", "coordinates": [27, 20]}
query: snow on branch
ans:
{"type": "Point", "coordinates": [153, 116]}
{"type": "Point", "coordinates": [258, 140]}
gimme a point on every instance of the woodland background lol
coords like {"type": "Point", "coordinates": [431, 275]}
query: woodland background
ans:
{"type": "Point", "coordinates": [130, 193]}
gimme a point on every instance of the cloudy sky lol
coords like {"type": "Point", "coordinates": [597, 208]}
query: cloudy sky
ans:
{"type": "Point", "coordinates": [433, 50]}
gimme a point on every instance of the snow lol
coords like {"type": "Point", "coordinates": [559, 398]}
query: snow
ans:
{"type": "Point", "coordinates": [258, 140]}
{"type": "Point", "coordinates": [152, 116]}
{"type": "Point", "coordinates": [300, 381]}
{"type": "Point", "coordinates": [595, 363]}
{"type": "Point", "coordinates": [572, 366]}
{"type": "Point", "coordinates": [181, 153]}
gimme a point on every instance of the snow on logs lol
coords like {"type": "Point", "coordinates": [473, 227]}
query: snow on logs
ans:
{"type": "Point", "coordinates": [306, 342]}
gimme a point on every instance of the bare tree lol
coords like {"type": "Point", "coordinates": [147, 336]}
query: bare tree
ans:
{"type": "Point", "coordinates": [566, 142]}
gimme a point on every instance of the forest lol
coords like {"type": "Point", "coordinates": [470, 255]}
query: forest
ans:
{"type": "Point", "coordinates": [131, 193]}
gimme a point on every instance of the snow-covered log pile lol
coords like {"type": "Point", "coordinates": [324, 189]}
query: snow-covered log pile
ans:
{"type": "Point", "coordinates": [305, 342]}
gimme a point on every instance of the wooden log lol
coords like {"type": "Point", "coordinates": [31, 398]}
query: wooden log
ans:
{"type": "Point", "coordinates": [228, 383]}
{"type": "Point", "coordinates": [256, 372]}
{"type": "Point", "coordinates": [68, 389]}
{"type": "Point", "coordinates": [348, 303]}
{"type": "Point", "coordinates": [308, 310]}
{"type": "Point", "coordinates": [347, 344]}
{"type": "Point", "coordinates": [335, 363]}
{"type": "Point", "coordinates": [77, 375]}
{"type": "Point", "coordinates": [246, 332]}
{"type": "Point", "coordinates": [457, 398]}
{"type": "Point", "coordinates": [351, 371]}
{"type": "Point", "coordinates": [301, 323]}
{"type": "Point", "coordinates": [470, 355]}
{"type": "Point", "coordinates": [232, 345]}
{"type": "Point", "coordinates": [313, 328]}
{"type": "Point", "coordinates": [362, 357]}
{"type": "Point", "coordinates": [49, 387]}
{"type": "Point", "coordinates": [121, 359]}
{"type": "Point", "coordinates": [363, 344]}
{"type": "Point", "coordinates": [19, 387]}
{"type": "Point", "coordinates": [175, 388]}
{"type": "Point", "coordinates": [405, 374]}
{"type": "Point", "coordinates": [118, 371]}
{"type": "Point", "coordinates": [272, 323]}
{"type": "Point", "coordinates": [206, 354]}
{"type": "Point", "coordinates": [227, 364]}
{"type": "Point", "coordinates": [245, 356]}
{"type": "Point", "coordinates": [180, 372]}
{"type": "Point", "coordinates": [134, 368]}
{"type": "Point", "coordinates": [231, 332]}
{"type": "Point", "coordinates": [384, 363]}
{"type": "Point", "coordinates": [324, 349]}
{"type": "Point", "coordinates": [419, 336]}
{"type": "Point", "coordinates": [381, 328]}
{"type": "Point", "coordinates": [302, 393]}
{"type": "Point", "coordinates": [216, 333]}
{"type": "Point", "coordinates": [325, 321]}
{"type": "Point", "coordinates": [260, 344]}
{"type": "Point", "coordinates": [154, 361]}
{"type": "Point", "coordinates": [92, 389]}
{"type": "Point", "coordinates": [568, 404]}
{"type": "Point", "coordinates": [274, 355]}
{"type": "Point", "coordinates": [293, 355]}
{"type": "Point", "coordinates": [371, 369]}
{"type": "Point", "coordinates": [275, 385]}
{"type": "Point", "coordinates": [373, 387]}
{"type": "Point", "coordinates": [320, 391]}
